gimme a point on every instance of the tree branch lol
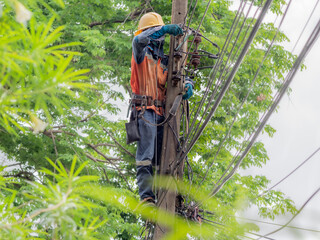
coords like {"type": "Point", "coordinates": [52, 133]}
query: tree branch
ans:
{"type": "Point", "coordinates": [99, 160]}
{"type": "Point", "coordinates": [49, 132]}
{"type": "Point", "coordinates": [22, 174]}
{"type": "Point", "coordinates": [112, 163]}
{"type": "Point", "coordinates": [131, 16]}
{"type": "Point", "coordinates": [122, 147]}
{"type": "Point", "coordinates": [105, 144]}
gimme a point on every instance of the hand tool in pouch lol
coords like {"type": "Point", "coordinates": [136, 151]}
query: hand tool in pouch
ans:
{"type": "Point", "coordinates": [132, 127]}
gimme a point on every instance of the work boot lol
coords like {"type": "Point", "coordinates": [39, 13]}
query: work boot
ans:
{"type": "Point", "coordinates": [146, 202]}
{"type": "Point", "coordinates": [149, 201]}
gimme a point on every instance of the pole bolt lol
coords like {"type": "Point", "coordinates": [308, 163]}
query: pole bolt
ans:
{"type": "Point", "coordinates": [197, 38]}
{"type": "Point", "coordinates": [177, 55]}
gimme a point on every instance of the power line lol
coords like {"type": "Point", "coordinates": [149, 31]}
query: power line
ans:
{"type": "Point", "coordinates": [221, 225]}
{"type": "Point", "coordinates": [276, 224]}
{"type": "Point", "coordinates": [307, 47]}
{"type": "Point", "coordinates": [239, 108]}
{"type": "Point", "coordinates": [300, 165]}
{"type": "Point", "coordinates": [294, 216]}
{"type": "Point", "coordinates": [230, 77]}
{"type": "Point", "coordinates": [189, 22]}
{"type": "Point", "coordinates": [304, 28]}
{"type": "Point", "coordinates": [224, 67]}
{"type": "Point", "coordinates": [189, 49]}
{"type": "Point", "coordinates": [216, 66]}
{"type": "Point", "coordinates": [251, 87]}
{"type": "Point", "coordinates": [220, 61]}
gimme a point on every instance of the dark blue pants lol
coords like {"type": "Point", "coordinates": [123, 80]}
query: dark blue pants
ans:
{"type": "Point", "coordinates": [148, 152]}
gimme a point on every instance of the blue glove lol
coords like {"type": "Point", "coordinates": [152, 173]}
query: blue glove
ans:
{"type": "Point", "coordinates": [173, 29]}
{"type": "Point", "coordinates": [189, 91]}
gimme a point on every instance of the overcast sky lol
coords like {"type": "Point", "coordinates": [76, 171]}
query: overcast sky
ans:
{"type": "Point", "coordinates": [298, 132]}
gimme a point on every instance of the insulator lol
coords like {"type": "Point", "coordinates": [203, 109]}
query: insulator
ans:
{"type": "Point", "coordinates": [177, 55]}
{"type": "Point", "coordinates": [195, 62]}
{"type": "Point", "coordinates": [195, 55]}
{"type": "Point", "coordinates": [198, 39]}
{"type": "Point", "coordinates": [176, 78]}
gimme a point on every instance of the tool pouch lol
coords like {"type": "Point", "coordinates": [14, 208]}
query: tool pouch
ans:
{"type": "Point", "coordinates": [132, 127]}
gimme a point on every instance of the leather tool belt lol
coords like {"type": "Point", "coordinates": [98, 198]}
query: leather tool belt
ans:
{"type": "Point", "coordinates": [139, 100]}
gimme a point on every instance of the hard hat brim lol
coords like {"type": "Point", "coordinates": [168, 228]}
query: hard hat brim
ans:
{"type": "Point", "coordinates": [142, 29]}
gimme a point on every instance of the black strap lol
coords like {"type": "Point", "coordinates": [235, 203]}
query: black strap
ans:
{"type": "Point", "coordinates": [172, 112]}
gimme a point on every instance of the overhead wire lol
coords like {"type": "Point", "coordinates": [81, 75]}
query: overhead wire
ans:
{"type": "Point", "coordinates": [247, 95]}
{"type": "Point", "coordinates": [294, 216]}
{"type": "Point", "coordinates": [280, 225]}
{"type": "Point", "coordinates": [304, 28]}
{"type": "Point", "coordinates": [219, 80]}
{"type": "Point", "coordinates": [189, 49]}
{"type": "Point", "coordinates": [220, 145]}
{"type": "Point", "coordinates": [230, 77]}
{"type": "Point", "coordinates": [215, 68]}
{"type": "Point", "coordinates": [220, 225]}
{"type": "Point", "coordinates": [263, 116]}
{"type": "Point", "coordinates": [289, 174]}
{"type": "Point", "coordinates": [258, 235]}
{"type": "Point", "coordinates": [190, 19]}
{"type": "Point", "coordinates": [230, 34]}
{"type": "Point", "coordinates": [254, 16]}
{"type": "Point", "coordinates": [239, 108]}
{"type": "Point", "coordinates": [308, 45]}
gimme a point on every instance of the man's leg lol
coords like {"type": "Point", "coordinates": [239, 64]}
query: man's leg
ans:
{"type": "Point", "coordinates": [145, 153]}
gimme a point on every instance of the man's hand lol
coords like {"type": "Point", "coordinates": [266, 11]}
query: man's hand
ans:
{"type": "Point", "coordinates": [173, 29]}
{"type": "Point", "coordinates": [189, 91]}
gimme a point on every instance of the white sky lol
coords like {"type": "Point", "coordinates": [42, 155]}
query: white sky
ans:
{"type": "Point", "coordinates": [298, 133]}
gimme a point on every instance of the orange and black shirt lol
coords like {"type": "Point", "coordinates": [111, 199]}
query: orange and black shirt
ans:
{"type": "Point", "coordinates": [149, 66]}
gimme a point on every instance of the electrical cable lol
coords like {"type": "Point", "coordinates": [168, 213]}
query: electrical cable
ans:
{"type": "Point", "coordinates": [219, 78]}
{"type": "Point", "coordinates": [189, 20]}
{"type": "Point", "coordinates": [307, 47]}
{"type": "Point", "coordinates": [233, 59]}
{"type": "Point", "coordinates": [222, 71]}
{"type": "Point", "coordinates": [220, 225]}
{"type": "Point", "coordinates": [304, 28]}
{"type": "Point", "coordinates": [288, 175]}
{"type": "Point", "coordinates": [240, 149]}
{"type": "Point", "coordinates": [231, 76]}
{"type": "Point", "coordinates": [258, 235]}
{"type": "Point", "coordinates": [295, 215]}
{"type": "Point", "coordinates": [253, 132]}
{"type": "Point", "coordinates": [280, 225]}
{"type": "Point", "coordinates": [213, 72]}
{"type": "Point", "coordinates": [204, 14]}
{"type": "Point", "coordinates": [247, 95]}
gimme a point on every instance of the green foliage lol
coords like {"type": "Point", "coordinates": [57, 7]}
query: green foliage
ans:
{"type": "Point", "coordinates": [34, 72]}
{"type": "Point", "coordinates": [57, 209]}
{"type": "Point", "coordinates": [60, 72]}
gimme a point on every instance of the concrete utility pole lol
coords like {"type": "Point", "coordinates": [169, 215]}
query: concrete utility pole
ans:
{"type": "Point", "coordinates": [167, 199]}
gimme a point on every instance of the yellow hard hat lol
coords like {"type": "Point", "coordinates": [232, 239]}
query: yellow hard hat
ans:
{"type": "Point", "coordinates": [148, 20]}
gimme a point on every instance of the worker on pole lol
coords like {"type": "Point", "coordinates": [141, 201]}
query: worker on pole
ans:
{"type": "Point", "coordinates": [148, 84]}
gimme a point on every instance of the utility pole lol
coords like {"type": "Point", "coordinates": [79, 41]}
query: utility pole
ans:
{"type": "Point", "coordinates": [167, 199]}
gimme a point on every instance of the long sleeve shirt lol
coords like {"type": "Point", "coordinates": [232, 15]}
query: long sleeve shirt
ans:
{"type": "Point", "coordinates": [149, 66]}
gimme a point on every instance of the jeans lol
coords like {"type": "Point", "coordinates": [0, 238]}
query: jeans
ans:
{"type": "Point", "coordinates": [148, 152]}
